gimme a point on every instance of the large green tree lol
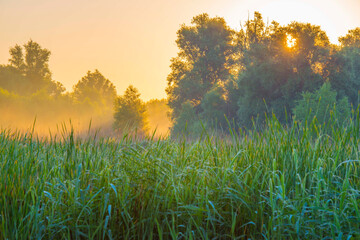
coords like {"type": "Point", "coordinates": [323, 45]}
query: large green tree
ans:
{"type": "Point", "coordinates": [204, 63]}
{"type": "Point", "coordinates": [275, 74]}
{"type": "Point", "coordinates": [204, 59]}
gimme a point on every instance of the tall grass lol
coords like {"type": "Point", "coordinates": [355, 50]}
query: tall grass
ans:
{"type": "Point", "coordinates": [280, 182]}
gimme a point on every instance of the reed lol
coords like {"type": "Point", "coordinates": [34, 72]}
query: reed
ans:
{"type": "Point", "coordinates": [280, 182]}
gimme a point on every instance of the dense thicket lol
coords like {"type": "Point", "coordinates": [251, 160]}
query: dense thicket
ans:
{"type": "Point", "coordinates": [259, 70]}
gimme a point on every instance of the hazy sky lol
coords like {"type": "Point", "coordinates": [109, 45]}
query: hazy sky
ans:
{"type": "Point", "coordinates": [131, 42]}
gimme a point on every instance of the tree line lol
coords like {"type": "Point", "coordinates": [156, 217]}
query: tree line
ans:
{"type": "Point", "coordinates": [219, 78]}
{"type": "Point", "coordinates": [27, 89]}
{"type": "Point", "coordinates": [223, 76]}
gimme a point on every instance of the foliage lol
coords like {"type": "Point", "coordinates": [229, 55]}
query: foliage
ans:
{"type": "Point", "coordinates": [130, 112]}
{"type": "Point", "coordinates": [344, 67]}
{"type": "Point", "coordinates": [188, 121]}
{"type": "Point", "coordinates": [30, 70]}
{"type": "Point", "coordinates": [13, 80]}
{"type": "Point", "coordinates": [297, 180]}
{"type": "Point", "coordinates": [351, 39]}
{"type": "Point", "coordinates": [301, 184]}
{"type": "Point", "coordinates": [204, 59]}
{"type": "Point", "coordinates": [218, 74]}
{"type": "Point", "coordinates": [323, 106]}
{"type": "Point", "coordinates": [274, 75]}
{"type": "Point", "coordinates": [95, 88]}
{"type": "Point", "coordinates": [254, 71]}
{"type": "Point", "coordinates": [214, 107]}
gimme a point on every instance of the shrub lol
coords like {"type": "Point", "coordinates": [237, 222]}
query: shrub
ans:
{"type": "Point", "coordinates": [322, 106]}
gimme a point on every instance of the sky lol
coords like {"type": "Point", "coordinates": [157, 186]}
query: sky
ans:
{"type": "Point", "coordinates": [132, 42]}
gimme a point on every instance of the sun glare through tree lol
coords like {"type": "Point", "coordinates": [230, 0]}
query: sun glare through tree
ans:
{"type": "Point", "coordinates": [290, 41]}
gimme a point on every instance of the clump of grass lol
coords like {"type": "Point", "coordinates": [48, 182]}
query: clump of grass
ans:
{"type": "Point", "coordinates": [280, 182]}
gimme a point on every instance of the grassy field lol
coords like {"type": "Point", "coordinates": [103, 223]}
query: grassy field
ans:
{"type": "Point", "coordinates": [275, 183]}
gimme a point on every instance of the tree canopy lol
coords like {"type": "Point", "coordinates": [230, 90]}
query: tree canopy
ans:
{"type": "Point", "coordinates": [130, 112]}
{"type": "Point", "coordinates": [28, 70]}
{"type": "Point", "coordinates": [258, 70]}
{"type": "Point", "coordinates": [219, 76]}
{"type": "Point", "coordinates": [322, 106]}
{"type": "Point", "coordinates": [205, 49]}
{"type": "Point", "coordinates": [95, 88]}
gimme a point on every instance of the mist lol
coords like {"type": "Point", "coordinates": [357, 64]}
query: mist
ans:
{"type": "Point", "coordinates": [158, 117]}
{"type": "Point", "coordinates": [48, 114]}
{"type": "Point", "coordinates": [31, 100]}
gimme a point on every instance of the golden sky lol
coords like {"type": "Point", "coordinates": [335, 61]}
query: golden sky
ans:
{"type": "Point", "coordinates": [131, 42]}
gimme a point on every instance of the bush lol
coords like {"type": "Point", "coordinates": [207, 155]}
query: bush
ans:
{"type": "Point", "coordinates": [322, 106]}
{"type": "Point", "coordinates": [130, 112]}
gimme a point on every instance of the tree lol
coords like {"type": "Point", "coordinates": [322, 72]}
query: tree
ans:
{"type": "Point", "coordinates": [17, 58]}
{"type": "Point", "coordinates": [214, 107]}
{"type": "Point", "coordinates": [187, 122]}
{"type": "Point", "coordinates": [96, 89]}
{"type": "Point", "coordinates": [344, 67]}
{"type": "Point", "coordinates": [12, 80]}
{"type": "Point", "coordinates": [273, 74]}
{"type": "Point", "coordinates": [352, 39]}
{"type": "Point", "coordinates": [204, 59]}
{"type": "Point", "coordinates": [36, 64]}
{"type": "Point", "coordinates": [30, 71]}
{"type": "Point", "coordinates": [253, 33]}
{"type": "Point", "coordinates": [323, 105]}
{"type": "Point", "coordinates": [130, 111]}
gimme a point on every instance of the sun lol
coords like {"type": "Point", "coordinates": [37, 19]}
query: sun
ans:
{"type": "Point", "coordinates": [290, 41]}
